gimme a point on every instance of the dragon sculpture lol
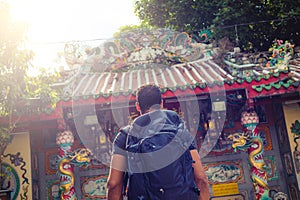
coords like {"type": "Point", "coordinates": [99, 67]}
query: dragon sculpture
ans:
{"type": "Point", "coordinates": [80, 157]}
{"type": "Point", "coordinates": [140, 48]}
{"type": "Point", "coordinates": [66, 160]}
{"type": "Point", "coordinates": [251, 142]}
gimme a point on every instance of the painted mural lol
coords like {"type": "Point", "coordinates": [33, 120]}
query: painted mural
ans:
{"type": "Point", "coordinates": [53, 192]}
{"type": "Point", "coordinates": [225, 172]}
{"type": "Point", "coordinates": [15, 176]}
{"type": "Point", "coordinates": [11, 180]}
{"type": "Point", "coordinates": [270, 167]}
{"type": "Point", "coordinates": [94, 187]}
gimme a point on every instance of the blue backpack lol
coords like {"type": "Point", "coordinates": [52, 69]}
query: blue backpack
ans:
{"type": "Point", "coordinates": [160, 165]}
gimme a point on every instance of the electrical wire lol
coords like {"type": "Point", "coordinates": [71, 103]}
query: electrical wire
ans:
{"type": "Point", "coordinates": [219, 27]}
{"type": "Point", "coordinates": [259, 22]}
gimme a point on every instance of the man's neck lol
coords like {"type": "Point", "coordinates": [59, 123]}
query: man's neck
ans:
{"type": "Point", "coordinates": [150, 110]}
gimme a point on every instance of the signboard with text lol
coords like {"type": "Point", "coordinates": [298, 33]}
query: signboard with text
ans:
{"type": "Point", "coordinates": [225, 189]}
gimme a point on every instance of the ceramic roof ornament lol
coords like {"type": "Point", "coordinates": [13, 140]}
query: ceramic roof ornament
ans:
{"type": "Point", "coordinates": [281, 54]}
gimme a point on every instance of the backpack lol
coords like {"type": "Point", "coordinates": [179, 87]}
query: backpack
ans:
{"type": "Point", "coordinates": [160, 165]}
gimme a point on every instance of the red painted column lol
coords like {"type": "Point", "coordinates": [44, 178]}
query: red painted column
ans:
{"type": "Point", "coordinates": [65, 141]}
{"type": "Point", "coordinates": [255, 150]}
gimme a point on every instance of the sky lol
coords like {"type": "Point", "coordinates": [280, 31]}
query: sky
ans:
{"type": "Point", "coordinates": [51, 23]}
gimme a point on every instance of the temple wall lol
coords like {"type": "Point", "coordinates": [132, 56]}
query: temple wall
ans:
{"type": "Point", "coordinates": [21, 164]}
{"type": "Point", "coordinates": [232, 167]}
{"type": "Point", "coordinates": [292, 113]}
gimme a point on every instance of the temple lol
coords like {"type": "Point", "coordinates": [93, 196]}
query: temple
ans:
{"type": "Point", "coordinates": [243, 109]}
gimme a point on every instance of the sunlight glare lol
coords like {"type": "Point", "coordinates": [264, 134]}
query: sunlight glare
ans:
{"type": "Point", "coordinates": [57, 20]}
{"type": "Point", "coordinates": [53, 23]}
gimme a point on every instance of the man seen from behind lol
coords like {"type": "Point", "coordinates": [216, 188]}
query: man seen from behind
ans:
{"type": "Point", "coordinates": [158, 153]}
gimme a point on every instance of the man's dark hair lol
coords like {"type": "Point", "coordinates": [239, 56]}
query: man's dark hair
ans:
{"type": "Point", "coordinates": [148, 96]}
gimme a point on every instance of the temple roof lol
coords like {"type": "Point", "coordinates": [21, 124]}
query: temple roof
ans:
{"type": "Point", "coordinates": [179, 64]}
{"type": "Point", "coordinates": [191, 75]}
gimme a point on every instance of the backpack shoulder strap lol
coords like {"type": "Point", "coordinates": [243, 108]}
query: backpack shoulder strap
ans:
{"type": "Point", "coordinates": [184, 136]}
{"type": "Point", "coordinates": [125, 129]}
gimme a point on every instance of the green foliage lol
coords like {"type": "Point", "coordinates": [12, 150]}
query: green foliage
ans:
{"type": "Point", "coordinates": [18, 89]}
{"type": "Point", "coordinates": [4, 139]}
{"type": "Point", "coordinates": [39, 87]}
{"type": "Point", "coordinates": [129, 28]}
{"type": "Point", "coordinates": [258, 23]}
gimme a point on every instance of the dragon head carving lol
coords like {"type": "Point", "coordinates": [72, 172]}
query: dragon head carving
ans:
{"type": "Point", "coordinates": [81, 157]}
{"type": "Point", "coordinates": [240, 140]}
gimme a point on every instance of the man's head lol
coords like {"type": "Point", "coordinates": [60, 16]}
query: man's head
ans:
{"type": "Point", "coordinates": [148, 97]}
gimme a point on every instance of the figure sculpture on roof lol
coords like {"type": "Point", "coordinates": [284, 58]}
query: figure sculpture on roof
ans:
{"type": "Point", "coordinates": [132, 49]}
{"type": "Point", "coordinates": [281, 54]}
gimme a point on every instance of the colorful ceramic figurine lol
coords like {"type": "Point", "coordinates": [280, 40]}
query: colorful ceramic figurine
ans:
{"type": "Point", "coordinates": [281, 54]}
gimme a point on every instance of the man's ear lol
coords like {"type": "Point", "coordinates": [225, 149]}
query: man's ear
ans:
{"type": "Point", "coordinates": [137, 106]}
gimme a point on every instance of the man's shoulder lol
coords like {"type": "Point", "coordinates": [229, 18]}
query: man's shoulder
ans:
{"type": "Point", "coordinates": [172, 115]}
{"type": "Point", "coordinates": [120, 138]}
{"type": "Point", "coordinates": [119, 143]}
